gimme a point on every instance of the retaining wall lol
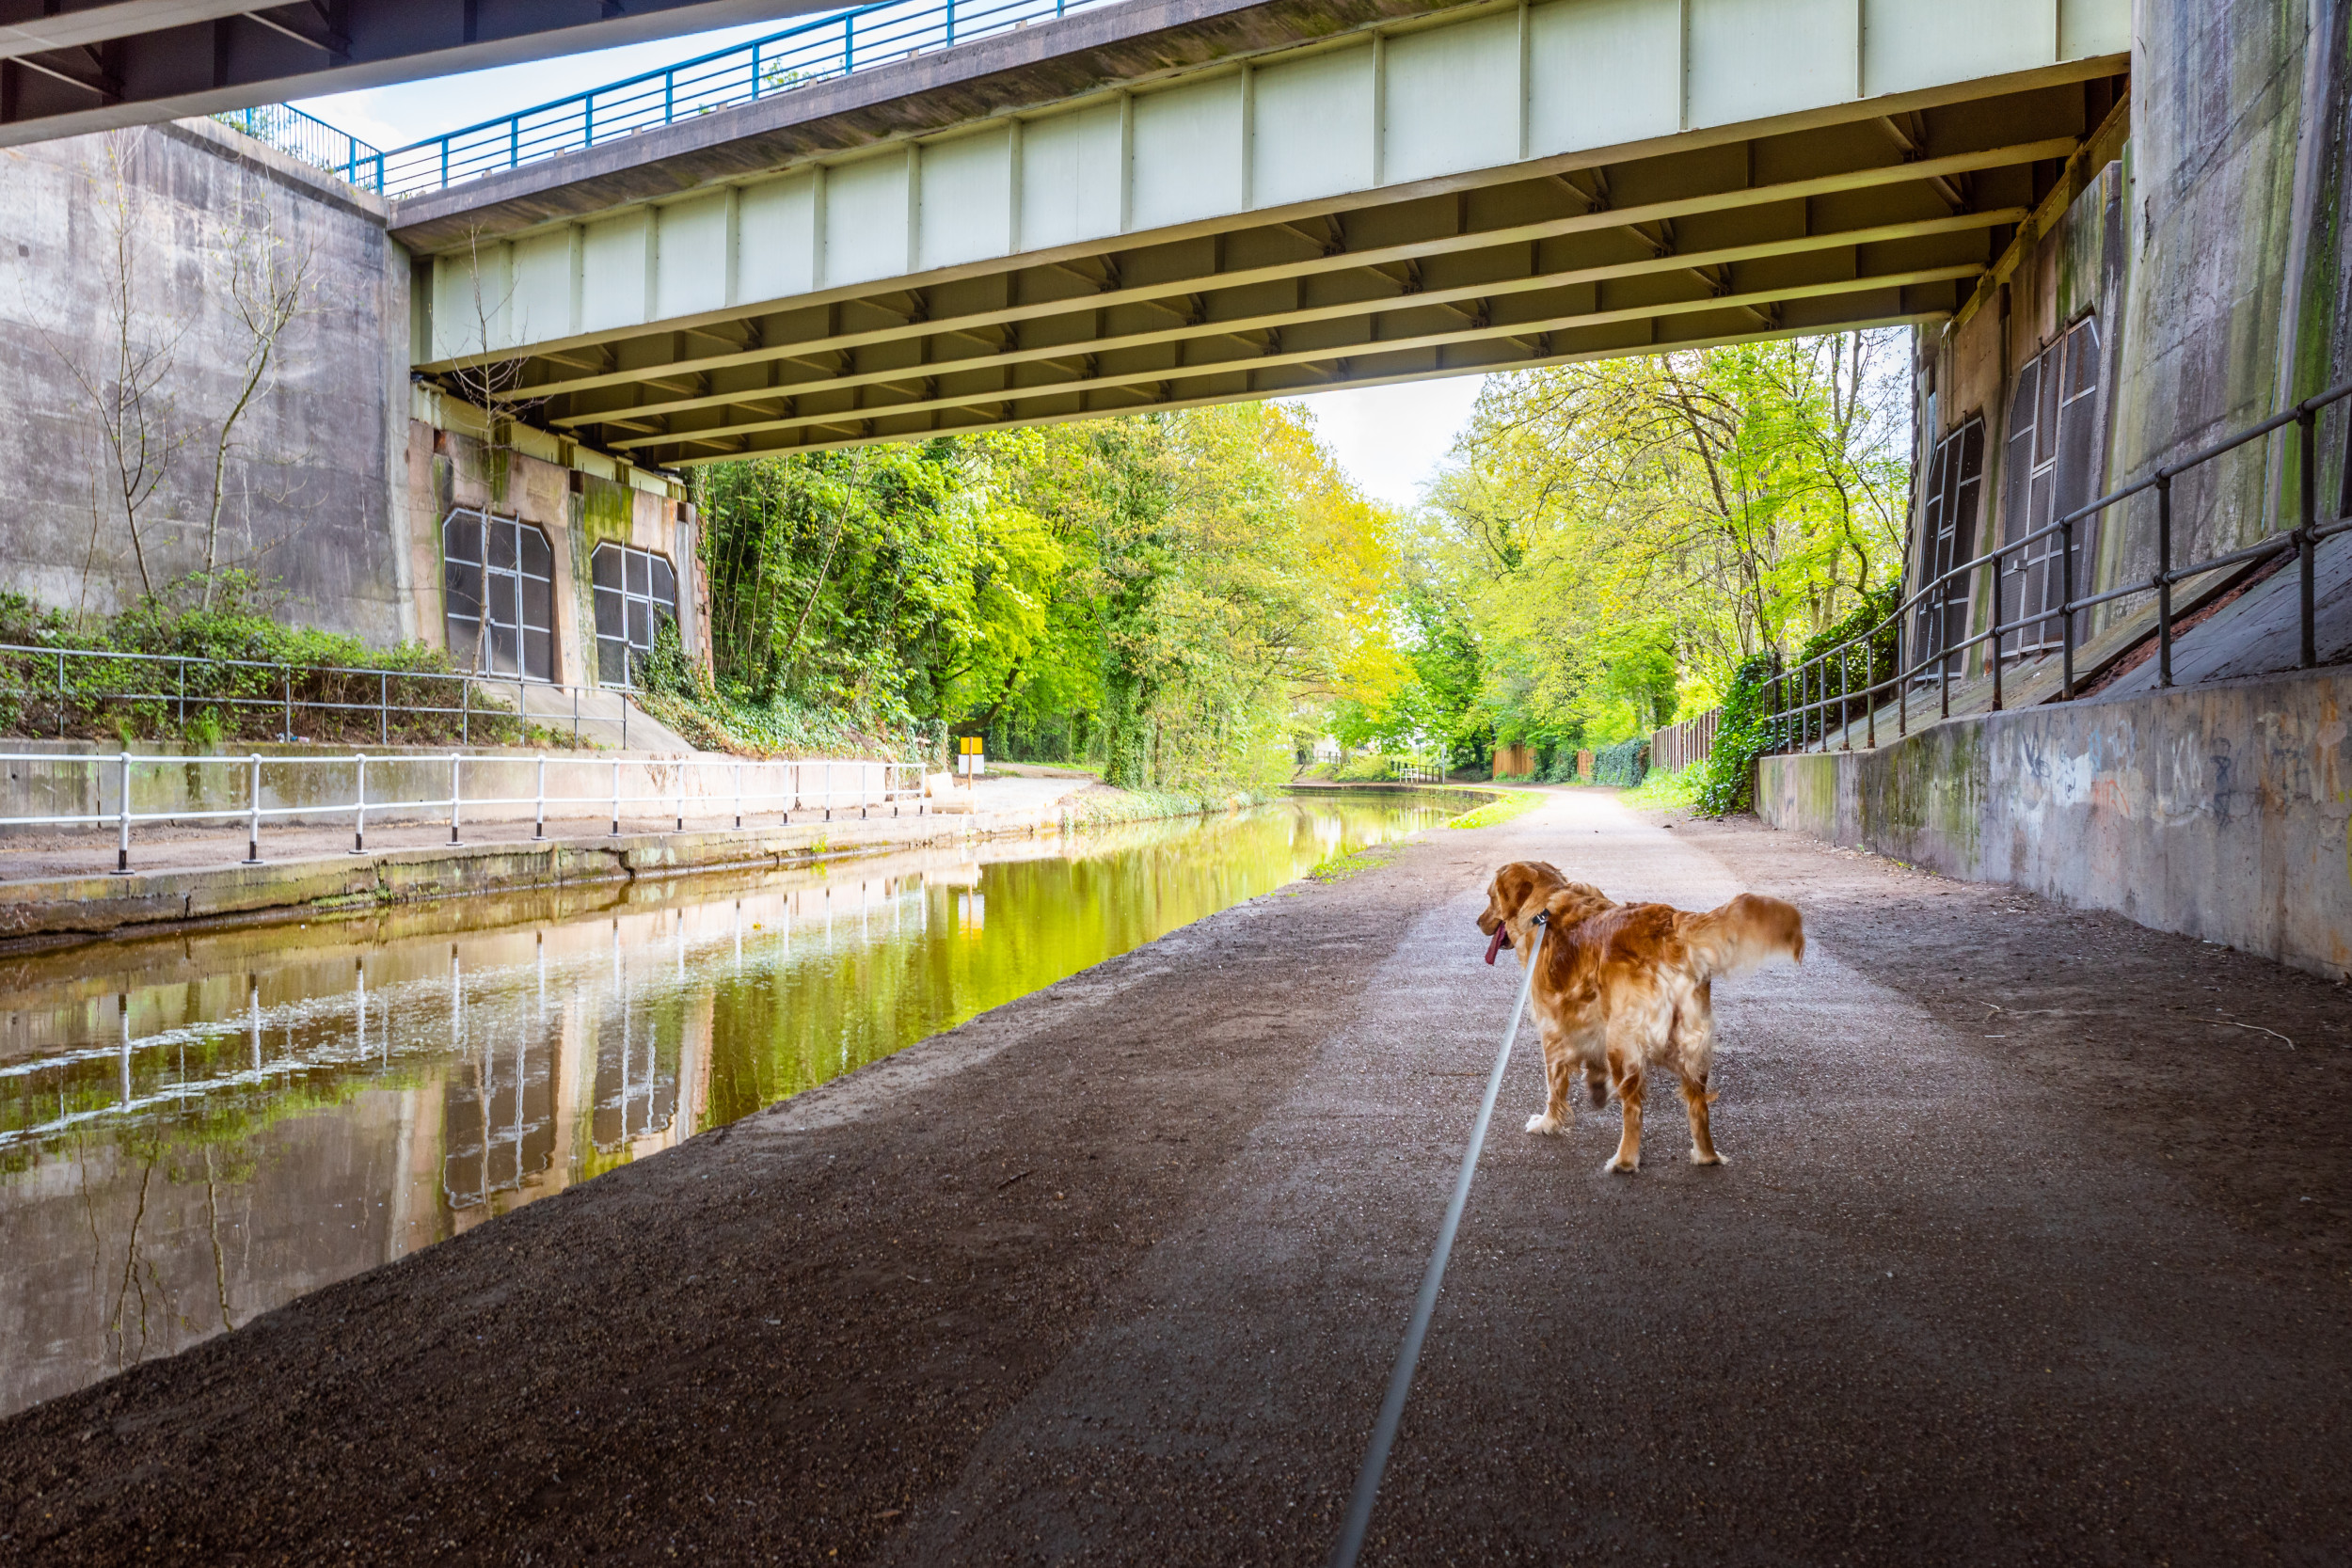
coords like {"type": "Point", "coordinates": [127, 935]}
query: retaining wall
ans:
{"type": "Point", "coordinates": [2217, 811]}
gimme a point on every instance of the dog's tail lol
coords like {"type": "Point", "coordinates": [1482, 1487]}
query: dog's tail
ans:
{"type": "Point", "coordinates": [1744, 933]}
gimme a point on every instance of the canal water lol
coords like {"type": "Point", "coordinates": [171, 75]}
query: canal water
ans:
{"type": "Point", "coordinates": [197, 1128]}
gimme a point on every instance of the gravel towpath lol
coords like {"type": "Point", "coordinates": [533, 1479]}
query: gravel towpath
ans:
{"type": "Point", "coordinates": [2033, 1247]}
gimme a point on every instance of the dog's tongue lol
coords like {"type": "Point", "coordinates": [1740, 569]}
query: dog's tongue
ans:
{"type": "Point", "coordinates": [1503, 940]}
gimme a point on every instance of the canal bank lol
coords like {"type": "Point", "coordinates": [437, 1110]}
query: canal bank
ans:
{"type": "Point", "coordinates": [1116, 1271]}
{"type": "Point", "coordinates": [52, 890]}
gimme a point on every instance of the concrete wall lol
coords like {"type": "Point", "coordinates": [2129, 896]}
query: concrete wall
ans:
{"type": "Point", "coordinates": [2218, 810]}
{"type": "Point", "coordinates": [343, 470]}
{"type": "Point", "coordinates": [310, 500]}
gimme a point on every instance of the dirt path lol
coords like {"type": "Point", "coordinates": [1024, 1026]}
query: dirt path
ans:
{"type": "Point", "coordinates": [2029, 1251]}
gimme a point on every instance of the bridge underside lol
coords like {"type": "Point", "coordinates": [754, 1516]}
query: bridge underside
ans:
{"type": "Point", "coordinates": [1878, 212]}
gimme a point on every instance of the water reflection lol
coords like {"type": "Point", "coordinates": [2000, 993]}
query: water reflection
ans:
{"type": "Point", "coordinates": [195, 1129]}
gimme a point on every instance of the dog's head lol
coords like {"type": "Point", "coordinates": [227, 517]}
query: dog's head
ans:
{"type": "Point", "coordinates": [1525, 888]}
{"type": "Point", "coordinates": [1517, 892]}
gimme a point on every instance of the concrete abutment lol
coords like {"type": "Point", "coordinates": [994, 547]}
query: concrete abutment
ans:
{"type": "Point", "coordinates": [2217, 811]}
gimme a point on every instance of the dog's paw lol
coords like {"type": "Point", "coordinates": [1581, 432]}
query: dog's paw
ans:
{"type": "Point", "coordinates": [1543, 1125]}
{"type": "Point", "coordinates": [1715, 1158]}
{"type": "Point", "coordinates": [1621, 1167]}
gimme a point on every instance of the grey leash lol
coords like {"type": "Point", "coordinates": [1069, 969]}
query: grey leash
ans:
{"type": "Point", "coordinates": [1408, 1354]}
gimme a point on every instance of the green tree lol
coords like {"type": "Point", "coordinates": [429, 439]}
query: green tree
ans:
{"type": "Point", "coordinates": [1623, 535]}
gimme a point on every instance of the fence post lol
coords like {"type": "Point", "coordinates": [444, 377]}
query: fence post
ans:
{"type": "Point", "coordinates": [288, 671]}
{"type": "Point", "coordinates": [182, 664]}
{"type": "Point", "coordinates": [2307, 546]}
{"type": "Point", "coordinates": [61, 694]}
{"type": "Point", "coordinates": [384, 708]}
{"type": "Point", "coordinates": [1869, 693]}
{"type": "Point", "coordinates": [951, 24]}
{"type": "Point", "coordinates": [849, 43]}
{"type": "Point", "coordinates": [1902, 687]}
{"type": "Point", "coordinates": [2164, 579]}
{"type": "Point", "coordinates": [2066, 607]}
{"type": "Point", "coordinates": [616, 797]}
{"type": "Point", "coordinates": [1943, 652]}
{"type": "Point", "coordinates": [1995, 643]}
{"type": "Point", "coordinates": [540, 829]}
{"type": "Point", "coordinates": [575, 716]}
{"type": "Point", "coordinates": [677, 796]}
{"type": "Point", "coordinates": [253, 830]}
{"type": "Point", "coordinates": [359, 806]}
{"type": "Point", "coordinates": [738, 795]}
{"type": "Point", "coordinates": [123, 851]}
{"type": "Point", "coordinates": [1845, 691]}
{"type": "Point", "coordinates": [465, 711]}
{"type": "Point", "coordinates": [455, 760]}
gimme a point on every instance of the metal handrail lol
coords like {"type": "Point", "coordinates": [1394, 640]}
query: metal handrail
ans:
{"type": "Point", "coordinates": [1794, 723]}
{"type": "Point", "coordinates": [783, 784]}
{"type": "Point", "coordinates": [831, 47]}
{"type": "Point", "coordinates": [306, 138]}
{"type": "Point", "coordinates": [60, 693]}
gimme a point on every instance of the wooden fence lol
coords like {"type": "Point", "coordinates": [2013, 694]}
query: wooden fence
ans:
{"type": "Point", "coordinates": [1677, 746]}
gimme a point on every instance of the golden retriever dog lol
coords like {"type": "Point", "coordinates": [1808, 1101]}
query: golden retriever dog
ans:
{"type": "Point", "coordinates": [1625, 987]}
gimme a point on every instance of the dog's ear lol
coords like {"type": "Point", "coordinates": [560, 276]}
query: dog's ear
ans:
{"type": "Point", "coordinates": [1530, 889]}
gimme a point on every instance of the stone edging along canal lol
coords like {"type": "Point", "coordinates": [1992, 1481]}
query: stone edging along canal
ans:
{"type": "Point", "coordinates": [40, 911]}
{"type": "Point", "coordinates": [44, 911]}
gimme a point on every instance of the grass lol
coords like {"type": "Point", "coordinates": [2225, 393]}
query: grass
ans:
{"type": "Point", "coordinates": [1663, 791]}
{"type": "Point", "coordinates": [1500, 809]}
{"type": "Point", "coordinates": [1339, 868]}
{"type": "Point", "coordinates": [1147, 805]}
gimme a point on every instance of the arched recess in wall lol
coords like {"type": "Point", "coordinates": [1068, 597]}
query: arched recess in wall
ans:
{"type": "Point", "coordinates": [1948, 537]}
{"type": "Point", "coordinates": [2055, 463]}
{"type": "Point", "coordinates": [636, 592]}
{"type": "Point", "coordinates": [499, 582]}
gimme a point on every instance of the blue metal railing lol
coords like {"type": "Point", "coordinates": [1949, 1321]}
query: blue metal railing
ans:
{"type": "Point", "coordinates": [311, 139]}
{"type": "Point", "coordinates": [829, 47]}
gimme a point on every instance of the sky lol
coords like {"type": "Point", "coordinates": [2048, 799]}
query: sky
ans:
{"type": "Point", "coordinates": [411, 111]}
{"type": "Point", "coordinates": [1391, 440]}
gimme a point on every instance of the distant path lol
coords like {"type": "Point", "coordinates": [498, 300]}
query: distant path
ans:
{"type": "Point", "coordinates": [2028, 1253]}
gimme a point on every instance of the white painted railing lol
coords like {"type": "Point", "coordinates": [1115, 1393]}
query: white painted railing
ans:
{"type": "Point", "coordinates": [679, 787]}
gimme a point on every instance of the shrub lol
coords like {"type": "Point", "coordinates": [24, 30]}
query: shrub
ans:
{"type": "Point", "coordinates": [679, 692]}
{"type": "Point", "coordinates": [1625, 764]}
{"type": "Point", "coordinates": [1664, 791]}
{"type": "Point", "coordinates": [1371, 767]}
{"type": "Point", "coordinates": [1728, 777]}
{"type": "Point", "coordinates": [285, 680]}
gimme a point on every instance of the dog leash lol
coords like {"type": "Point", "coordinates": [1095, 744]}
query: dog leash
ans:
{"type": "Point", "coordinates": [1409, 1355]}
